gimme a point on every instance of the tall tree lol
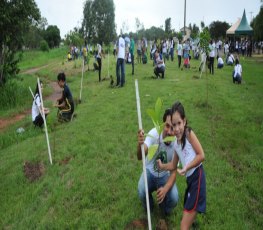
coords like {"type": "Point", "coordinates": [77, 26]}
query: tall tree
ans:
{"type": "Point", "coordinates": [15, 20]}
{"type": "Point", "coordinates": [52, 36]}
{"type": "Point", "coordinates": [257, 25]}
{"type": "Point", "coordinates": [195, 31]}
{"type": "Point", "coordinates": [88, 21]}
{"type": "Point", "coordinates": [168, 27]}
{"type": "Point", "coordinates": [99, 20]}
{"type": "Point", "coordinates": [139, 25]}
{"type": "Point", "coordinates": [218, 29]}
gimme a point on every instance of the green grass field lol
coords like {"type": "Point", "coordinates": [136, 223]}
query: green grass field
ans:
{"type": "Point", "coordinates": [92, 183]}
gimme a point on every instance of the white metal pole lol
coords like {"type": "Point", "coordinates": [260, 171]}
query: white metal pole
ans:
{"type": "Point", "coordinates": [203, 67]}
{"type": "Point", "coordinates": [81, 82]}
{"type": "Point", "coordinates": [143, 154]}
{"type": "Point", "coordinates": [44, 118]}
{"type": "Point", "coordinates": [108, 63]}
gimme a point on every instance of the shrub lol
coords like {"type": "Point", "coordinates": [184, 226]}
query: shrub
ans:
{"type": "Point", "coordinates": [44, 46]}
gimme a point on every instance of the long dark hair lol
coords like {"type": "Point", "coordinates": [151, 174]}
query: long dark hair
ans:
{"type": "Point", "coordinates": [178, 107]}
{"type": "Point", "coordinates": [37, 90]}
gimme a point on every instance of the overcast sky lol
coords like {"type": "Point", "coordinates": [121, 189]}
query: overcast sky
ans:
{"type": "Point", "coordinates": [67, 14]}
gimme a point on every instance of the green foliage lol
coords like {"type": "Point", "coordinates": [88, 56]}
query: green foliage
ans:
{"type": "Point", "coordinates": [52, 36]}
{"type": "Point", "coordinates": [195, 31]}
{"type": "Point", "coordinates": [258, 26]}
{"type": "Point", "coordinates": [74, 38]}
{"type": "Point", "coordinates": [12, 95]}
{"type": "Point", "coordinates": [218, 29]}
{"type": "Point", "coordinates": [156, 116]}
{"type": "Point", "coordinates": [168, 27]}
{"type": "Point", "coordinates": [99, 21]}
{"type": "Point", "coordinates": [15, 20]}
{"type": "Point", "coordinates": [204, 40]}
{"type": "Point", "coordinates": [44, 46]}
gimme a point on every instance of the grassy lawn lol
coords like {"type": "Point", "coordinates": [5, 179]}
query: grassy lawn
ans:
{"type": "Point", "coordinates": [92, 183]}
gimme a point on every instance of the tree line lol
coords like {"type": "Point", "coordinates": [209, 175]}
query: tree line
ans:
{"type": "Point", "coordinates": [22, 27]}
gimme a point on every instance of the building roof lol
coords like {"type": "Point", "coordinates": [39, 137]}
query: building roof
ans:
{"type": "Point", "coordinates": [232, 29]}
{"type": "Point", "coordinates": [244, 28]}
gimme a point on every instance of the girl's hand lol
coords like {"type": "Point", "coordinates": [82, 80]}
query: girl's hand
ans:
{"type": "Point", "coordinates": [182, 171]}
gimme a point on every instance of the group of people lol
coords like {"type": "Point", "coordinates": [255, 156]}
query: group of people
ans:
{"type": "Point", "coordinates": [65, 103]}
{"type": "Point", "coordinates": [162, 168]}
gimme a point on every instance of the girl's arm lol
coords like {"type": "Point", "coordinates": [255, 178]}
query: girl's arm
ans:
{"type": "Point", "coordinates": [172, 165]}
{"type": "Point", "coordinates": [200, 156]}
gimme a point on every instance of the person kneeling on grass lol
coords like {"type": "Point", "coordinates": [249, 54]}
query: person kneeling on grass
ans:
{"type": "Point", "coordinates": [37, 108]}
{"type": "Point", "coordinates": [237, 73]}
{"type": "Point", "coordinates": [220, 63]}
{"type": "Point", "coordinates": [159, 65]}
{"type": "Point", "coordinates": [190, 152]}
{"type": "Point", "coordinates": [161, 181]}
{"type": "Point", "coordinates": [65, 104]}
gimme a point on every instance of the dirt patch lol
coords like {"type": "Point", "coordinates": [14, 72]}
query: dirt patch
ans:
{"type": "Point", "coordinates": [137, 224]}
{"type": "Point", "coordinates": [65, 161]}
{"type": "Point", "coordinates": [162, 225]}
{"type": "Point", "coordinates": [56, 91]}
{"type": "Point", "coordinates": [11, 120]}
{"type": "Point", "coordinates": [33, 171]}
{"type": "Point", "coordinates": [33, 70]}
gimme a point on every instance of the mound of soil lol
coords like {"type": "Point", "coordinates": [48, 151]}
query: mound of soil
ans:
{"type": "Point", "coordinates": [137, 224]}
{"type": "Point", "coordinates": [33, 171]}
{"type": "Point", "coordinates": [64, 161]}
{"type": "Point", "coordinates": [162, 225]}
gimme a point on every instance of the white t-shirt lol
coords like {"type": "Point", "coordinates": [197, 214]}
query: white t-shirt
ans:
{"type": "Point", "coordinates": [166, 153]}
{"type": "Point", "coordinates": [35, 107]}
{"type": "Point", "coordinates": [238, 70]}
{"type": "Point", "coordinates": [186, 155]}
{"type": "Point", "coordinates": [99, 51]}
{"type": "Point", "coordinates": [179, 49]}
{"type": "Point", "coordinates": [159, 62]}
{"type": "Point", "coordinates": [220, 61]}
{"type": "Point", "coordinates": [212, 50]}
{"type": "Point", "coordinates": [121, 48]}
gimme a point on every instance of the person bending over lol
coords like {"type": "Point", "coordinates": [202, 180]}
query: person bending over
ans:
{"type": "Point", "coordinates": [162, 181]}
{"type": "Point", "coordinates": [65, 104]}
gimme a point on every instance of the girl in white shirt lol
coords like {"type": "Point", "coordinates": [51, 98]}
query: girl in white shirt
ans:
{"type": "Point", "coordinates": [37, 108]}
{"type": "Point", "coordinates": [237, 73]}
{"type": "Point", "coordinates": [190, 152]}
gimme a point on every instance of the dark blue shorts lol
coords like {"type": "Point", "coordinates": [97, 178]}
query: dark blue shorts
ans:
{"type": "Point", "coordinates": [195, 193]}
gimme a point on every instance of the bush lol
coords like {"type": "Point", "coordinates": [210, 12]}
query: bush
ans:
{"type": "Point", "coordinates": [12, 95]}
{"type": "Point", "coordinates": [44, 46]}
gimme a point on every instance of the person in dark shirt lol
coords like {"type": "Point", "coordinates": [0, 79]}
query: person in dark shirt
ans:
{"type": "Point", "coordinates": [65, 104]}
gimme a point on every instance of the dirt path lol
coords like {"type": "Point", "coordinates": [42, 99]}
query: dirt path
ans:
{"type": "Point", "coordinates": [11, 120]}
{"type": "Point", "coordinates": [33, 70]}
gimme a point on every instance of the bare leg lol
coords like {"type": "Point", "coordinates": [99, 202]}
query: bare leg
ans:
{"type": "Point", "coordinates": [187, 220]}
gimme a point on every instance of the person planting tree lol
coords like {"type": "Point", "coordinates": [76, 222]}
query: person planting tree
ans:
{"type": "Point", "coordinates": [161, 181]}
